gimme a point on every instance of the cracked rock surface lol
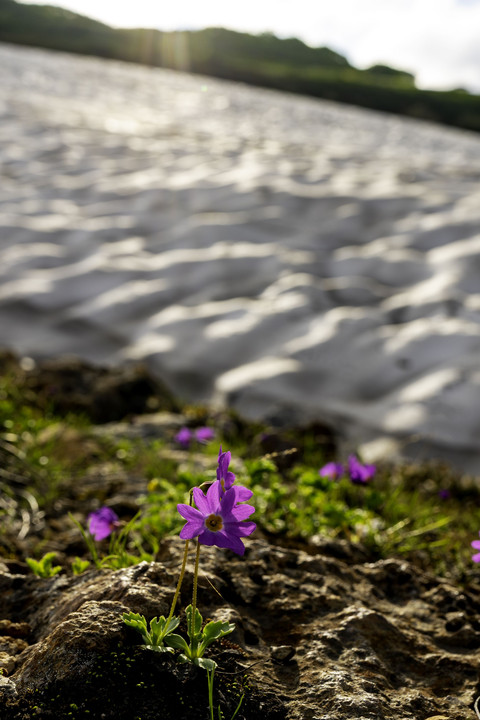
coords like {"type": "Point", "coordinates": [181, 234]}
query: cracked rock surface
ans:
{"type": "Point", "coordinates": [317, 638]}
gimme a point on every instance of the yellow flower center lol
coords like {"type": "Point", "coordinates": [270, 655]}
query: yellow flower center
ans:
{"type": "Point", "coordinates": [214, 522]}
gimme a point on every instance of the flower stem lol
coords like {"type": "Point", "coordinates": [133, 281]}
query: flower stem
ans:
{"type": "Point", "coordinates": [195, 582]}
{"type": "Point", "coordinates": [179, 584]}
{"type": "Point", "coordinates": [210, 674]}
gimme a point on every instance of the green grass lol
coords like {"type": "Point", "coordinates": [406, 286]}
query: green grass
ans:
{"type": "Point", "coordinates": [398, 514]}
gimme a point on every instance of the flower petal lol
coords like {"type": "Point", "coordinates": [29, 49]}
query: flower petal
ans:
{"type": "Point", "coordinates": [99, 530]}
{"type": "Point", "coordinates": [207, 537]}
{"type": "Point", "coordinates": [102, 522]}
{"type": "Point", "coordinates": [201, 501]}
{"type": "Point", "coordinates": [240, 512]}
{"type": "Point", "coordinates": [189, 513]}
{"type": "Point", "coordinates": [224, 462]}
{"type": "Point", "coordinates": [204, 434]}
{"type": "Point", "coordinates": [475, 544]}
{"type": "Point", "coordinates": [242, 493]}
{"type": "Point", "coordinates": [222, 539]}
{"type": "Point", "coordinates": [234, 543]}
{"type": "Point", "coordinates": [191, 530]}
{"type": "Point", "coordinates": [229, 479]}
{"type": "Point", "coordinates": [360, 473]}
{"type": "Point", "coordinates": [212, 498]}
{"type": "Point", "coordinates": [183, 437]}
{"type": "Point", "coordinates": [332, 470]}
{"type": "Point", "coordinates": [228, 501]}
{"type": "Point", "coordinates": [240, 529]}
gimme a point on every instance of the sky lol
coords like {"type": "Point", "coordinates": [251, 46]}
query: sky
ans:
{"type": "Point", "coordinates": [437, 40]}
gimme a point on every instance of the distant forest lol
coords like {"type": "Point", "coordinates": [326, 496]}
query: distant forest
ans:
{"type": "Point", "coordinates": [263, 60]}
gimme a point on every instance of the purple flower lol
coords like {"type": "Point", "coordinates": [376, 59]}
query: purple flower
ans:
{"type": "Point", "coordinates": [360, 474]}
{"type": "Point", "coordinates": [226, 478]}
{"type": "Point", "coordinates": [102, 522]}
{"type": "Point", "coordinates": [476, 544]}
{"type": "Point", "coordinates": [204, 434]}
{"type": "Point", "coordinates": [444, 494]}
{"type": "Point", "coordinates": [218, 520]}
{"type": "Point", "coordinates": [184, 437]}
{"type": "Point", "coordinates": [332, 470]}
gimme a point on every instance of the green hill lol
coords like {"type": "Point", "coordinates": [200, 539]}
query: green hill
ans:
{"type": "Point", "coordinates": [264, 60]}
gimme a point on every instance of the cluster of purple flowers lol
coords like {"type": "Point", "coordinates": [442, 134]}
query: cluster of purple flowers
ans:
{"type": "Point", "coordinates": [476, 545]}
{"type": "Point", "coordinates": [202, 435]}
{"type": "Point", "coordinates": [220, 519]}
{"type": "Point", "coordinates": [359, 474]}
{"type": "Point", "coordinates": [222, 515]}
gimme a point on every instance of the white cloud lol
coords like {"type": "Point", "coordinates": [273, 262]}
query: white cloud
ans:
{"type": "Point", "coordinates": [435, 39]}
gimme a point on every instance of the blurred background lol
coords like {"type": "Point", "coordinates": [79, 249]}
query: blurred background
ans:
{"type": "Point", "coordinates": [371, 53]}
{"type": "Point", "coordinates": [275, 206]}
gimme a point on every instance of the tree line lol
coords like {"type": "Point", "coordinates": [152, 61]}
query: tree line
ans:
{"type": "Point", "coordinates": [263, 60]}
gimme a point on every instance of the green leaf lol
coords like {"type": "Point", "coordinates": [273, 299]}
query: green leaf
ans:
{"type": "Point", "coordinates": [214, 630]}
{"type": "Point", "coordinates": [43, 567]}
{"type": "Point", "coordinates": [205, 663]}
{"type": "Point", "coordinates": [134, 620]}
{"type": "Point", "coordinates": [158, 629]}
{"type": "Point", "coordinates": [159, 648]}
{"type": "Point", "coordinates": [176, 641]}
{"type": "Point", "coordinates": [79, 566]}
{"type": "Point", "coordinates": [139, 623]}
{"type": "Point", "coordinates": [172, 625]}
{"type": "Point", "coordinates": [156, 633]}
{"type": "Point", "coordinates": [194, 632]}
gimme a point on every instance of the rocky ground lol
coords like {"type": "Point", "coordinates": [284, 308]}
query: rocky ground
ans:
{"type": "Point", "coordinates": [320, 633]}
{"type": "Point", "coordinates": [324, 630]}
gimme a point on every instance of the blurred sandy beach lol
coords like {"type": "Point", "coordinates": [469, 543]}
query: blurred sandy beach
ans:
{"type": "Point", "coordinates": [292, 258]}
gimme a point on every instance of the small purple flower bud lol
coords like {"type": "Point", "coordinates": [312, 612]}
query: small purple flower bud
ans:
{"type": "Point", "coordinates": [184, 437]}
{"type": "Point", "coordinates": [360, 474]}
{"type": "Point", "coordinates": [204, 435]}
{"type": "Point", "coordinates": [225, 477]}
{"type": "Point", "coordinates": [102, 522]}
{"type": "Point", "coordinates": [476, 545]}
{"type": "Point", "coordinates": [332, 470]}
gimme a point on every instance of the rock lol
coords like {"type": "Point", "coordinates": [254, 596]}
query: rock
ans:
{"type": "Point", "coordinates": [318, 637]}
{"type": "Point", "coordinates": [7, 663]}
{"type": "Point", "coordinates": [75, 645]}
{"type": "Point", "coordinates": [7, 689]}
{"type": "Point", "coordinates": [287, 446]}
{"type": "Point", "coordinates": [282, 653]}
{"type": "Point", "coordinates": [14, 630]}
{"type": "Point", "coordinates": [12, 646]}
{"type": "Point", "coordinates": [105, 395]}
